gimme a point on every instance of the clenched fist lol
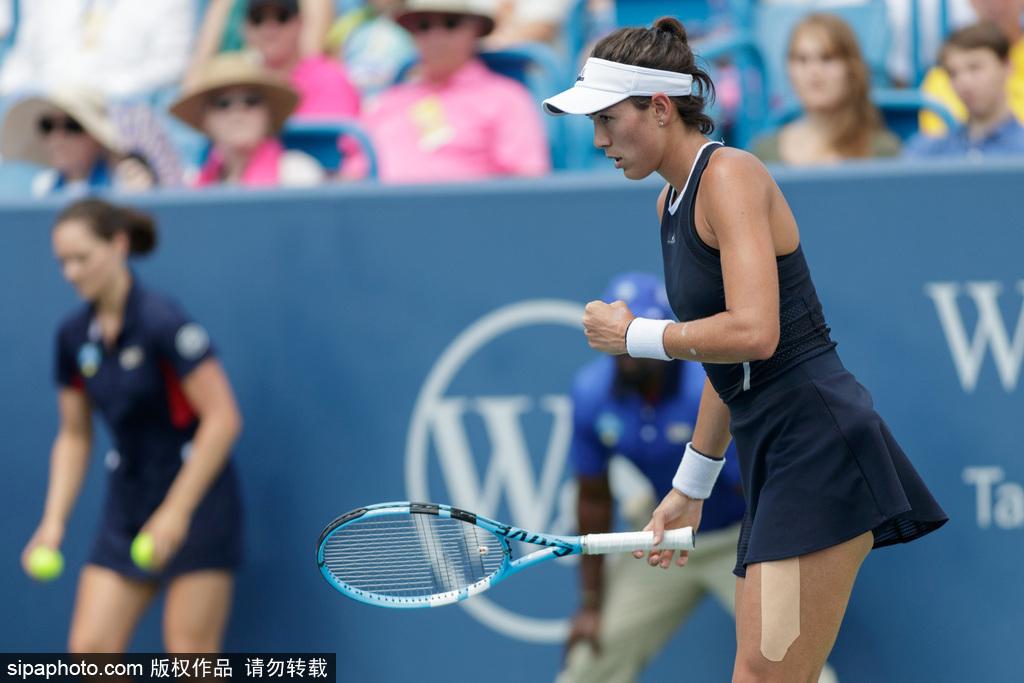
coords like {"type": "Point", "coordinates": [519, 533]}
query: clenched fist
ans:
{"type": "Point", "coordinates": [605, 326]}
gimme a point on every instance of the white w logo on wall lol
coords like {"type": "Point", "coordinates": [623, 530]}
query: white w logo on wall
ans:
{"type": "Point", "coordinates": [515, 394]}
{"type": "Point", "coordinates": [990, 332]}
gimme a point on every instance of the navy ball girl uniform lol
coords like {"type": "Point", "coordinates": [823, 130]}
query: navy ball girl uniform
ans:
{"type": "Point", "coordinates": [135, 384]}
{"type": "Point", "coordinates": [818, 465]}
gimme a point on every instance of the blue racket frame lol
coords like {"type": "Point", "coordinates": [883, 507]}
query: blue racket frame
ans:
{"type": "Point", "coordinates": [551, 547]}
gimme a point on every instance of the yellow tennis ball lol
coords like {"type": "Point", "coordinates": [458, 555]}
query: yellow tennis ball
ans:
{"type": "Point", "coordinates": [45, 564]}
{"type": "Point", "coordinates": [142, 551]}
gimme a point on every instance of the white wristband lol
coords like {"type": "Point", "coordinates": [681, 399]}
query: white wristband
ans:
{"type": "Point", "coordinates": [644, 338]}
{"type": "Point", "coordinates": [697, 473]}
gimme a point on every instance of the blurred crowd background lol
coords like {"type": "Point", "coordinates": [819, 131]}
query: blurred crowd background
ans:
{"type": "Point", "coordinates": [136, 95]}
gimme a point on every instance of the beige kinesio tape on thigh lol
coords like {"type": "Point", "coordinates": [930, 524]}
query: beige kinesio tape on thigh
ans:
{"type": "Point", "coordinates": [780, 607]}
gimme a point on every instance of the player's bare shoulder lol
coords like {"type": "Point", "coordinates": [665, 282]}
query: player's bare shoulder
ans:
{"type": "Point", "coordinates": [735, 181]}
{"type": "Point", "coordinates": [732, 170]}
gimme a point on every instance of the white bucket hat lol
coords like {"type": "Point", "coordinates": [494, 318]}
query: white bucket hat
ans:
{"type": "Point", "coordinates": [602, 84]}
{"type": "Point", "coordinates": [21, 139]}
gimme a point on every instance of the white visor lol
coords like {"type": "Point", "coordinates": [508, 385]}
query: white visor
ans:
{"type": "Point", "coordinates": [602, 83]}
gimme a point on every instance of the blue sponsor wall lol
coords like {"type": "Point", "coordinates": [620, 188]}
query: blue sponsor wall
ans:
{"type": "Point", "coordinates": [419, 342]}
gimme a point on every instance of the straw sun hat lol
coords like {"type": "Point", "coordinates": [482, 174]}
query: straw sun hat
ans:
{"type": "Point", "coordinates": [232, 69]}
{"type": "Point", "coordinates": [481, 9]}
{"type": "Point", "coordinates": [21, 139]}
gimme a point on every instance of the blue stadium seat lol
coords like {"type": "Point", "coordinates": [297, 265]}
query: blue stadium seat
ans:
{"type": "Point", "coordinates": [16, 180]}
{"type": "Point", "coordinates": [902, 107]}
{"type": "Point", "coordinates": [899, 108]}
{"type": "Point", "coordinates": [341, 7]}
{"type": "Point", "coordinates": [698, 16]}
{"type": "Point", "coordinates": [319, 139]}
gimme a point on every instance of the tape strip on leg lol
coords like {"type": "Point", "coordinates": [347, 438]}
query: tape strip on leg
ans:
{"type": "Point", "coordinates": [780, 607]}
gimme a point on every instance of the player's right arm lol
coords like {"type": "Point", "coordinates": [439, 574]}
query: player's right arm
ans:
{"type": "Point", "coordinates": [69, 460]}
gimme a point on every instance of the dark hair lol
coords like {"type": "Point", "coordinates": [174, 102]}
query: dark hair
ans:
{"type": "Point", "coordinates": [857, 118]}
{"type": "Point", "coordinates": [663, 46]}
{"type": "Point", "coordinates": [107, 220]}
{"type": "Point", "coordinates": [981, 36]}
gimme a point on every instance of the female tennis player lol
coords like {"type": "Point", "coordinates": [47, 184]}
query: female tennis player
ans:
{"type": "Point", "coordinates": [151, 372]}
{"type": "Point", "coordinates": [823, 478]}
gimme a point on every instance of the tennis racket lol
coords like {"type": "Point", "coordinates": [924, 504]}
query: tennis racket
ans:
{"type": "Point", "coordinates": [405, 555]}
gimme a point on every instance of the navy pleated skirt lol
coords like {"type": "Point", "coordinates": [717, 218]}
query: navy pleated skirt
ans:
{"type": "Point", "coordinates": [820, 467]}
{"type": "Point", "coordinates": [214, 539]}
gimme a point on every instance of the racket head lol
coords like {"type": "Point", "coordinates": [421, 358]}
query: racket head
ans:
{"type": "Point", "coordinates": [409, 555]}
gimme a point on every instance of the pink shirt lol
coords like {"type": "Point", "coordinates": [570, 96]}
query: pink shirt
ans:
{"type": "Point", "coordinates": [324, 90]}
{"type": "Point", "coordinates": [261, 171]}
{"type": "Point", "coordinates": [477, 125]}
{"type": "Point", "coordinates": [271, 165]}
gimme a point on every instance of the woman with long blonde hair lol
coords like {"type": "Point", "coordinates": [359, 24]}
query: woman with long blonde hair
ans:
{"type": "Point", "coordinates": [832, 83]}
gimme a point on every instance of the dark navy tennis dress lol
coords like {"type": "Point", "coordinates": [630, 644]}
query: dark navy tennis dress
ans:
{"type": "Point", "coordinates": [818, 464]}
{"type": "Point", "coordinates": [136, 387]}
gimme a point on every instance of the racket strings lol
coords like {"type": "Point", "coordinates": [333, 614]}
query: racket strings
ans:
{"type": "Point", "coordinates": [412, 556]}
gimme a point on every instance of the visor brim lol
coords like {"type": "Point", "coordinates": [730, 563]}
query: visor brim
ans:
{"type": "Point", "coordinates": [581, 100]}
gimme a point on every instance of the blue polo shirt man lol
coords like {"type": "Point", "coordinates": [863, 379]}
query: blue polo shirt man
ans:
{"type": "Point", "coordinates": [644, 411]}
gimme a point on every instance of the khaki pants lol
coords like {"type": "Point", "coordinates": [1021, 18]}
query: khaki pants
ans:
{"type": "Point", "coordinates": [643, 606]}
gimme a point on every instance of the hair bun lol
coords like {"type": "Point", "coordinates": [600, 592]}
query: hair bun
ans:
{"type": "Point", "coordinates": [106, 220]}
{"type": "Point", "coordinates": [141, 229]}
{"type": "Point", "coordinates": [671, 25]}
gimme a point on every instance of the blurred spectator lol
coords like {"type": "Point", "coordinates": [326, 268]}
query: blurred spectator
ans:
{"type": "Point", "coordinates": [223, 29]}
{"type": "Point", "coordinates": [124, 48]}
{"type": "Point", "coordinates": [1006, 14]}
{"type": "Point", "coordinates": [528, 21]}
{"type": "Point", "coordinates": [241, 107]}
{"type": "Point", "coordinates": [977, 59]}
{"type": "Point", "coordinates": [456, 120]}
{"type": "Point", "coordinates": [900, 62]}
{"type": "Point", "coordinates": [70, 132]}
{"type": "Point", "coordinates": [273, 28]}
{"type": "Point", "coordinates": [831, 82]}
{"type": "Point", "coordinates": [371, 45]}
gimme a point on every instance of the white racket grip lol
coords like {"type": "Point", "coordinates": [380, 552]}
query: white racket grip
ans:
{"type": "Point", "coordinates": [601, 544]}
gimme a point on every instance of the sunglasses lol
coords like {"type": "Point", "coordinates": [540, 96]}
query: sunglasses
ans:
{"type": "Point", "coordinates": [246, 101]}
{"type": "Point", "coordinates": [49, 124]}
{"type": "Point", "coordinates": [449, 22]}
{"type": "Point", "coordinates": [279, 15]}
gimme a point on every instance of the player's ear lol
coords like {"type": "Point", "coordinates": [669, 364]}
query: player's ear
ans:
{"type": "Point", "coordinates": [661, 107]}
{"type": "Point", "coordinates": [122, 244]}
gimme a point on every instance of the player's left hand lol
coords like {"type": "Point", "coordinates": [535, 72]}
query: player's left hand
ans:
{"type": "Point", "coordinates": [605, 326]}
{"type": "Point", "coordinates": [168, 527]}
